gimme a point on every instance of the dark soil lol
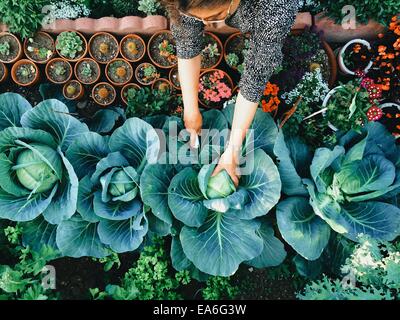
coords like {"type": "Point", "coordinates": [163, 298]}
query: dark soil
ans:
{"type": "Point", "coordinates": [113, 72]}
{"type": "Point", "coordinates": [109, 98]}
{"type": "Point", "coordinates": [77, 91]}
{"type": "Point", "coordinates": [25, 73]}
{"type": "Point", "coordinates": [142, 78]}
{"type": "Point", "coordinates": [111, 46]}
{"type": "Point", "coordinates": [94, 67]}
{"type": "Point", "coordinates": [391, 120]}
{"type": "Point", "coordinates": [208, 61]}
{"type": "Point", "coordinates": [157, 54]}
{"type": "Point", "coordinates": [41, 44]}
{"type": "Point", "coordinates": [55, 74]}
{"type": "Point", "coordinates": [357, 61]}
{"type": "Point", "coordinates": [175, 78]}
{"type": "Point", "coordinates": [13, 50]}
{"type": "Point", "coordinates": [132, 49]}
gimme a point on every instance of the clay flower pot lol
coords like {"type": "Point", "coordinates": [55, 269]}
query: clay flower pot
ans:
{"type": "Point", "coordinates": [58, 71]}
{"type": "Point", "coordinates": [25, 73]}
{"type": "Point", "coordinates": [119, 72]}
{"type": "Point", "coordinates": [87, 71]}
{"type": "Point", "coordinates": [146, 79]}
{"type": "Point", "coordinates": [162, 85]}
{"type": "Point", "coordinates": [161, 49]}
{"type": "Point", "coordinates": [225, 79]}
{"type": "Point", "coordinates": [73, 90]}
{"type": "Point", "coordinates": [3, 72]}
{"type": "Point", "coordinates": [342, 52]}
{"type": "Point", "coordinates": [132, 48]}
{"type": "Point", "coordinates": [12, 48]}
{"type": "Point", "coordinates": [103, 47]}
{"type": "Point", "coordinates": [40, 48]}
{"type": "Point", "coordinates": [235, 44]}
{"type": "Point", "coordinates": [210, 57]}
{"type": "Point", "coordinates": [125, 89]}
{"type": "Point", "coordinates": [103, 94]}
{"type": "Point", "coordinates": [174, 78]}
{"type": "Point", "coordinates": [80, 54]}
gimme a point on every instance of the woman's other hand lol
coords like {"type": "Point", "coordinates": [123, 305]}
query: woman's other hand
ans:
{"type": "Point", "coordinates": [229, 162]}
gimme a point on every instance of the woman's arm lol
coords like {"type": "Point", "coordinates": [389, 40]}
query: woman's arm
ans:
{"type": "Point", "coordinates": [189, 73]}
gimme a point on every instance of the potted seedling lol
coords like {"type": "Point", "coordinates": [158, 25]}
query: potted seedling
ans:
{"type": "Point", "coordinates": [39, 48]}
{"type": "Point", "coordinates": [146, 74]}
{"type": "Point", "coordinates": [162, 50]}
{"type": "Point", "coordinates": [215, 88]}
{"type": "Point", "coordinates": [125, 90]}
{"type": "Point", "coordinates": [356, 55]}
{"type": "Point", "coordinates": [235, 50]}
{"type": "Point", "coordinates": [119, 72]}
{"type": "Point", "coordinates": [162, 85]}
{"type": "Point", "coordinates": [10, 48]}
{"type": "Point", "coordinates": [103, 94]}
{"type": "Point", "coordinates": [87, 71]}
{"type": "Point", "coordinates": [174, 78]}
{"type": "Point", "coordinates": [103, 47]}
{"type": "Point", "coordinates": [3, 72]}
{"type": "Point", "coordinates": [132, 47]}
{"type": "Point", "coordinates": [73, 90]}
{"type": "Point", "coordinates": [58, 71]}
{"type": "Point", "coordinates": [71, 45]}
{"type": "Point", "coordinates": [25, 73]}
{"type": "Point", "coordinates": [212, 52]}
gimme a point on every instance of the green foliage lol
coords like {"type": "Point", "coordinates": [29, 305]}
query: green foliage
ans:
{"type": "Point", "coordinates": [151, 278]}
{"type": "Point", "coordinates": [211, 50]}
{"type": "Point", "coordinates": [147, 102]}
{"type": "Point", "coordinates": [23, 17]}
{"type": "Point", "coordinates": [219, 288]}
{"type": "Point", "coordinates": [5, 48]}
{"type": "Point", "coordinates": [13, 234]}
{"type": "Point", "coordinates": [149, 7]}
{"type": "Point", "coordinates": [377, 10]}
{"type": "Point", "coordinates": [86, 69]}
{"type": "Point", "coordinates": [372, 273]}
{"type": "Point", "coordinates": [124, 8]}
{"type": "Point", "coordinates": [232, 59]}
{"type": "Point", "coordinates": [149, 71]}
{"type": "Point", "coordinates": [110, 261]}
{"type": "Point", "coordinates": [69, 44]}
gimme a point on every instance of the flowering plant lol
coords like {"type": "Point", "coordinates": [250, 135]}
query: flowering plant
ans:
{"type": "Point", "coordinates": [215, 88]}
{"type": "Point", "coordinates": [357, 56]}
{"type": "Point", "coordinates": [270, 100]}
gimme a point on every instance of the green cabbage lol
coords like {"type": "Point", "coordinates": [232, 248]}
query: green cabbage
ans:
{"type": "Point", "coordinates": [220, 186]}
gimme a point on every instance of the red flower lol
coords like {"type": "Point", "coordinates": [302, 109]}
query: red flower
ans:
{"type": "Point", "coordinates": [375, 92]}
{"type": "Point", "coordinates": [374, 113]}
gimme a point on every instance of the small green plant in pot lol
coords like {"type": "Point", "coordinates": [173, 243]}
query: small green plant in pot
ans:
{"type": "Point", "coordinates": [236, 47]}
{"type": "Point", "coordinates": [87, 71]}
{"type": "Point", "coordinates": [39, 48]}
{"type": "Point", "coordinates": [103, 93]}
{"type": "Point", "coordinates": [162, 49]}
{"type": "Point", "coordinates": [10, 48]}
{"type": "Point", "coordinates": [71, 45]}
{"type": "Point", "coordinates": [103, 47]}
{"type": "Point", "coordinates": [146, 74]}
{"type": "Point", "coordinates": [119, 72]}
{"type": "Point", "coordinates": [25, 73]}
{"type": "Point", "coordinates": [58, 71]}
{"type": "Point", "coordinates": [212, 52]}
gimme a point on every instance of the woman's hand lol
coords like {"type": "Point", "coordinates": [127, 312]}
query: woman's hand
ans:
{"type": "Point", "coordinates": [193, 124]}
{"type": "Point", "coordinates": [229, 162]}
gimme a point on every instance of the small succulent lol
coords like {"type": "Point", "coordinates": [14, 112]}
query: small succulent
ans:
{"type": "Point", "coordinates": [232, 59]}
{"type": "Point", "coordinates": [69, 44]}
{"type": "Point", "coordinates": [149, 71]}
{"type": "Point", "coordinates": [25, 71]}
{"type": "Point", "coordinates": [149, 7]}
{"type": "Point", "coordinates": [211, 50]}
{"type": "Point", "coordinates": [86, 69]}
{"type": "Point", "coordinates": [5, 48]}
{"type": "Point", "coordinates": [60, 69]}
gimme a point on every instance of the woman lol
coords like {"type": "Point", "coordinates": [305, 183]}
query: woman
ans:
{"type": "Point", "coordinates": [267, 21]}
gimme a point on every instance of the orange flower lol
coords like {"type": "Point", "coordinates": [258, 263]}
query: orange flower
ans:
{"type": "Point", "coordinates": [382, 50]}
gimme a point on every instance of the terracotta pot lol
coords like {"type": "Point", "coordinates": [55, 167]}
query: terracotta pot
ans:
{"type": "Point", "coordinates": [113, 39]}
{"type": "Point", "coordinates": [27, 54]}
{"type": "Point", "coordinates": [221, 48]}
{"type": "Point", "coordinates": [335, 33]}
{"type": "Point", "coordinates": [19, 54]}
{"type": "Point", "coordinates": [5, 72]}
{"type": "Point", "coordinates": [19, 63]}
{"type": "Point", "coordinates": [110, 87]}
{"type": "Point", "coordinates": [230, 83]}
{"type": "Point", "coordinates": [119, 84]}
{"type": "Point", "coordinates": [149, 51]}
{"type": "Point", "coordinates": [76, 71]}
{"type": "Point", "coordinates": [129, 36]}
{"type": "Point", "coordinates": [140, 80]}
{"type": "Point", "coordinates": [162, 80]}
{"type": "Point", "coordinates": [81, 92]}
{"type": "Point", "coordinates": [85, 50]}
{"type": "Point", "coordinates": [171, 72]}
{"type": "Point", "coordinates": [47, 70]}
{"type": "Point", "coordinates": [125, 89]}
{"type": "Point", "coordinates": [340, 54]}
{"type": "Point", "coordinates": [333, 67]}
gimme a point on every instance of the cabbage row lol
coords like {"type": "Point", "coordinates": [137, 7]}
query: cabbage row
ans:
{"type": "Point", "coordinates": [88, 194]}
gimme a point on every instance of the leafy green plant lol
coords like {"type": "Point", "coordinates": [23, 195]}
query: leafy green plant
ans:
{"type": "Point", "coordinates": [5, 48]}
{"type": "Point", "coordinates": [69, 44]}
{"type": "Point", "coordinates": [211, 50]}
{"type": "Point", "coordinates": [151, 278]}
{"type": "Point", "coordinates": [347, 189]}
{"type": "Point", "coordinates": [233, 60]}
{"type": "Point", "coordinates": [110, 261]}
{"type": "Point", "coordinates": [124, 8]}
{"type": "Point", "coordinates": [219, 288]}
{"type": "Point", "coordinates": [23, 17]}
{"type": "Point", "coordinates": [86, 70]}
{"type": "Point", "coordinates": [365, 10]}
{"type": "Point", "coordinates": [149, 7]}
{"type": "Point", "coordinates": [60, 69]}
{"type": "Point", "coordinates": [372, 273]}
{"type": "Point", "coordinates": [149, 71]}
